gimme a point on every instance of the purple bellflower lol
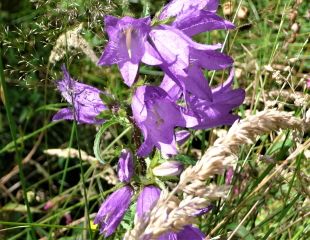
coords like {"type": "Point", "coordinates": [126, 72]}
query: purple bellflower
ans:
{"type": "Point", "coordinates": [113, 210]}
{"type": "Point", "coordinates": [85, 100]}
{"type": "Point", "coordinates": [212, 113]}
{"type": "Point", "coordinates": [147, 200]}
{"type": "Point", "coordinates": [125, 166]}
{"type": "Point", "coordinates": [182, 59]}
{"type": "Point", "coordinates": [217, 112]}
{"type": "Point", "coordinates": [127, 46]}
{"type": "Point", "coordinates": [188, 232]}
{"type": "Point", "coordinates": [157, 116]}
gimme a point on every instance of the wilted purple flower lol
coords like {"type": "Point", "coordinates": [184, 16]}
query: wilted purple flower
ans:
{"type": "Point", "coordinates": [147, 199]}
{"type": "Point", "coordinates": [179, 7]}
{"type": "Point", "coordinates": [308, 83]}
{"type": "Point", "coordinates": [85, 99]}
{"type": "Point", "coordinates": [125, 166]}
{"type": "Point", "coordinates": [169, 168]}
{"type": "Point", "coordinates": [188, 232]}
{"type": "Point", "coordinates": [113, 209]}
{"type": "Point", "coordinates": [157, 116]}
{"type": "Point", "coordinates": [182, 136]}
{"type": "Point", "coordinates": [127, 45]}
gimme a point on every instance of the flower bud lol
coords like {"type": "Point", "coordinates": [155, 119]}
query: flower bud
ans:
{"type": "Point", "coordinates": [182, 136]}
{"type": "Point", "coordinates": [147, 199]}
{"type": "Point", "coordinates": [170, 168]}
{"type": "Point", "coordinates": [125, 166]}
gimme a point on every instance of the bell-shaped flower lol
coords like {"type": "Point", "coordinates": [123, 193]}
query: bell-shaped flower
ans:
{"type": "Point", "coordinates": [127, 45]}
{"type": "Point", "coordinates": [157, 116]}
{"type": "Point", "coordinates": [125, 166]}
{"type": "Point", "coordinates": [188, 232]}
{"type": "Point", "coordinates": [182, 59]}
{"type": "Point", "coordinates": [180, 7]}
{"type": "Point", "coordinates": [147, 199]}
{"type": "Point", "coordinates": [218, 112]}
{"type": "Point", "coordinates": [113, 210]}
{"type": "Point", "coordinates": [169, 168]}
{"type": "Point", "coordinates": [85, 100]}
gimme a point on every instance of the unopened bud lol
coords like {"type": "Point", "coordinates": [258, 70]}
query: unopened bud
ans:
{"type": "Point", "coordinates": [182, 136]}
{"type": "Point", "coordinates": [170, 168]}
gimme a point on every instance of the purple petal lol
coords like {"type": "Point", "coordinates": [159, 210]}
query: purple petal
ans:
{"type": "Point", "coordinates": [168, 236]}
{"type": "Point", "coordinates": [110, 54]}
{"type": "Point", "coordinates": [150, 56]}
{"type": "Point", "coordinates": [197, 84]}
{"type": "Point", "coordinates": [63, 114]}
{"type": "Point", "coordinates": [190, 232]}
{"type": "Point", "coordinates": [113, 210]}
{"type": "Point", "coordinates": [125, 166]}
{"type": "Point", "coordinates": [171, 46]}
{"type": "Point", "coordinates": [182, 136]}
{"type": "Point", "coordinates": [209, 59]}
{"type": "Point", "coordinates": [170, 86]}
{"type": "Point", "coordinates": [212, 5]}
{"type": "Point", "coordinates": [217, 112]}
{"type": "Point", "coordinates": [147, 199]}
{"type": "Point", "coordinates": [179, 7]}
{"type": "Point", "coordinates": [201, 21]}
{"type": "Point", "coordinates": [129, 72]}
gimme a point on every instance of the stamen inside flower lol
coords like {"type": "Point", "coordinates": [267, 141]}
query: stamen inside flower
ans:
{"type": "Point", "coordinates": [128, 33]}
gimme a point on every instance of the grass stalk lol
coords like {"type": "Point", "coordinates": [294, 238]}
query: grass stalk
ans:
{"type": "Point", "coordinates": [12, 126]}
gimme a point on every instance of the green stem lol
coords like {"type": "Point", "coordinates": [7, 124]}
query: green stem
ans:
{"type": "Point", "coordinates": [84, 183]}
{"type": "Point", "coordinates": [13, 134]}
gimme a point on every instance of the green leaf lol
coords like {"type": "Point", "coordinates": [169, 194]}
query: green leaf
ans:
{"type": "Point", "coordinates": [242, 232]}
{"type": "Point", "coordinates": [14, 207]}
{"type": "Point", "coordinates": [103, 128]}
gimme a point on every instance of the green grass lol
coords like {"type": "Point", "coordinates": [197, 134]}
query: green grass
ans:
{"type": "Point", "coordinates": [278, 209]}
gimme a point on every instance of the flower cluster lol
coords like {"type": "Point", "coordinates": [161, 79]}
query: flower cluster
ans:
{"type": "Point", "coordinates": [156, 109]}
{"type": "Point", "coordinates": [184, 98]}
